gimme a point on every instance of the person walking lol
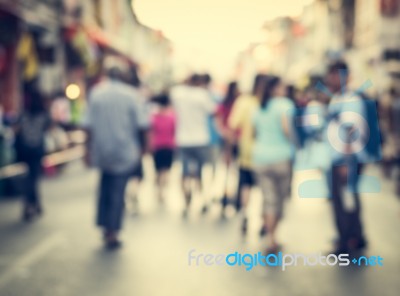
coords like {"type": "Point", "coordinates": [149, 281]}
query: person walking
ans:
{"type": "Point", "coordinates": [240, 123]}
{"type": "Point", "coordinates": [272, 154]}
{"type": "Point", "coordinates": [31, 130]}
{"type": "Point", "coordinates": [346, 160]}
{"type": "Point", "coordinates": [162, 139]}
{"type": "Point", "coordinates": [114, 123]}
{"type": "Point", "coordinates": [193, 106]}
{"type": "Point", "coordinates": [230, 148]}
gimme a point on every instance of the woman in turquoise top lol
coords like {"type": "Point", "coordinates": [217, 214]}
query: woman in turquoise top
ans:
{"type": "Point", "coordinates": [272, 153]}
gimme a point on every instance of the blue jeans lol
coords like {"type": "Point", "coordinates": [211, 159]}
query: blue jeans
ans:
{"type": "Point", "coordinates": [348, 221]}
{"type": "Point", "coordinates": [193, 159]}
{"type": "Point", "coordinates": [111, 200]}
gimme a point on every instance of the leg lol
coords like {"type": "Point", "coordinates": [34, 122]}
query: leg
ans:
{"type": "Point", "coordinates": [32, 197]}
{"type": "Point", "coordinates": [136, 178]}
{"type": "Point", "coordinates": [115, 211]}
{"type": "Point", "coordinates": [339, 181]}
{"type": "Point", "coordinates": [162, 180]}
{"type": "Point", "coordinates": [356, 236]}
{"type": "Point", "coordinates": [103, 199]}
{"type": "Point", "coordinates": [272, 179]}
{"type": "Point", "coordinates": [244, 191]}
{"type": "Point", "coordinates": [186, 179]}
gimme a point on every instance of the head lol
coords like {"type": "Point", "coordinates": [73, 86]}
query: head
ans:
{"type": "Point", "coordinates": [162, 100]}
{"type": "Point", "coordinates": [291, 92]}
{"type": "Point", "coordinates": [115, 69]}
{"type": "Point", "coordinates": [205, 79]}
{"type": "Point", "coordinates": [231, 94]}
{"type": "Point", "coordinates": [35, 103]}
{"type": "Point", "coordinates": [337, 76]}
{"type": "Point", "coordinates": [134, 77]}
{"type": "Point", "coordinates": [195, 80]}
{"type": "Point", "coordinates": [259, 85]}
{"type": "Point", "coordinates": [273, 88]}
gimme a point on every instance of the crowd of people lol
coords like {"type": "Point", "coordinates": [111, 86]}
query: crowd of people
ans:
{"type": "Point", "coordinates": [258, 134]}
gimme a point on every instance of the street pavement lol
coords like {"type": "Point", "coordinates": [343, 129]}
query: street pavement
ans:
{"type": "Point", "coordinates": [61, 253]}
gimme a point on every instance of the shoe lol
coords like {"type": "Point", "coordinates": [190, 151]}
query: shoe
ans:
{"type": "Point", "coordinates": [273, 249]}
{"type": "Point", "coordinates": [357, 244]}
{"type": "Point", "coordinates": [263, 231]}
{"type": "Point", "coordinates": [113, 244]}
{"type": "Point", "coordinates": [339, 250]}
{"type": "Point", "coordinates": [224, 201]}
{"type": "Point", "coordinates": [29, 213]}
{"type": "Point", "coordinates": [39, 210]}
{"type": "Point", "coordinates": [238, 204]}
{"type": "Point", "coordinates": [244, 226]}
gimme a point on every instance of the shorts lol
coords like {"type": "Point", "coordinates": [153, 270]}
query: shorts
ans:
{"type": "Point", "coordinates": [163, 159]}
{"type": "Point", "coordinates": [215, 152]}
{"type": "Point", "coordinates": [274, 180]}
{"type": "Point", "coordinates": [193, 159]}
{"type": "Point", "coordinates": [246, 177]}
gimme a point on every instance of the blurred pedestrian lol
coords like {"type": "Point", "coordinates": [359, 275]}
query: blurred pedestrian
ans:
{"type": "Point", "coordinates": [273, 153]}
{"type": "Point", "coordinates": [162, 138]}
{"type": "Point", "coordinates": [215, 138]}
{"type": "Point", "coordinates": [193, 106]}
{"type": "Point", "coordinates": [137, 175]}
{"type": "Point", "coordinates": [240, 122]}
{"type": "Point", "coordinates": [230, 148]}
{"type": "Point", "coordinates": [114, 123]}
{"type": "Point", "coordinates": [395, 129]}
{"type": "Point", "coordinates": [346, 164]}
{"type": "Point", "coordinates": [221, 118]}
{"type": "Point", "coordinates": [31, 130]}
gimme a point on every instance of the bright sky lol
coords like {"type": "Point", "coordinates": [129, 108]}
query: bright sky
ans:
{"type": "Point", "coordinates": [208, 34]}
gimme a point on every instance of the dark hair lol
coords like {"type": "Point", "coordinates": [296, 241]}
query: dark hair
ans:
{"type": "Point", "coordinates": [134, 77]}
{"type": "Point", "coordinates": [162, 99]}
{"type": "Point", "coordinates": [393, 91]}
{"type": "Point", "coordinates": [116, 73]}
{"type": "Point", "coordinates": [230, 94]}
{"type": "Point", "coordinates": [206, 79]}
{"type": "Point", "coordinates": [291, 92]}
{"type": "Point", "coordinates": [195, 79]}
{"type": "Point", "coordinates": [337, 66]}
{"type": "Point", "coordinates": [35, 103]}
{"type": "Point", "coordinates": [270, 85]}
{"type": "Point", "coordinates": [259, 82]}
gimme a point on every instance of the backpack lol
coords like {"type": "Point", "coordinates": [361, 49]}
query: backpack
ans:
{"type": "Point", "coordinates": [29, 139]}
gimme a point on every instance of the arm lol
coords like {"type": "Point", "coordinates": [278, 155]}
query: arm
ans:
{"type": "Point", "coordinates": [87, 156]}
{"type": "Point", "coordinates": [86, 128]}
{"type": "Point", "coordinates": [287, 112]}
{"type": "Point", "coordinates": [143, 122]}
{"type": "Point", "coordinates": [144, 136]}
{"type": "Point", "coordinates": [235, 118]}
{"type": "Point", "coordinates": [224, 131]}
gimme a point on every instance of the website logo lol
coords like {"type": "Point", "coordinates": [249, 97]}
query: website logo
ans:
{"type": "Point", "coordinates": [280, 260]}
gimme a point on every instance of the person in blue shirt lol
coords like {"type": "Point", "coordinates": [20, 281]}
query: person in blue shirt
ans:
{"type": "Point", "coordinates": [116, 126]}
{"type": "Point", "coordinates": [272, 153]}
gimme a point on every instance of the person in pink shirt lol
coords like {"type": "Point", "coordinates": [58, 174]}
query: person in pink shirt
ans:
{"type": "Point", "coordinates": [162, 139]}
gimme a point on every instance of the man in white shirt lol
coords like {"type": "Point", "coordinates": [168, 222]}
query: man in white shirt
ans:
{"type": "Point", "coordinates": [193, 107]}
